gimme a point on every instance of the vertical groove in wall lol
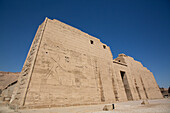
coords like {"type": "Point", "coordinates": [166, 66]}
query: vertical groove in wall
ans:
{"type": "Point", "coordinates": [137, 89]}
{"type": "Point", "coordinates": [101, 89]}
{"type": "Point", "coordinates": [114, 88]}
{"type": "Point", "coordinates": [100, 83]}
{"type": "Point", "coordinates": [144, 88]}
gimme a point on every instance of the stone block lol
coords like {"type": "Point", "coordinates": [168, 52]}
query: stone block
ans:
{"type": "Point", "coordinates": [7, 99]}
{"type": "Point", "coordinates": [108, 107]}
{"type": "Point", "coordinates": [145, 102]}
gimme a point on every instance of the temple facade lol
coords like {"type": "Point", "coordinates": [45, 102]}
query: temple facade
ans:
{"type": "Point", "coordinates": [67, 67]}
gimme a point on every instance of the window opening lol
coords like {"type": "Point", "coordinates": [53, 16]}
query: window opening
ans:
{"type": "Point", "coordinates": [104, 46]}
{"type": "Point", "coordinates": [91, 41]}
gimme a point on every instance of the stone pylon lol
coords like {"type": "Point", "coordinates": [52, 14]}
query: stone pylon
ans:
{"type": "Point", "coordinates": [64, 67]}
{"type": "Point", "coordinates": [67, 67]}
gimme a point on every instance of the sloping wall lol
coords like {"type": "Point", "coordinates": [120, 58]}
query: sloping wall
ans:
{"type": "Point", "coordinates": [67, 67]}
{"type": "Point", "coordinates": [141, 81]}
{"type": "Point", "coordinates": [71, 68]}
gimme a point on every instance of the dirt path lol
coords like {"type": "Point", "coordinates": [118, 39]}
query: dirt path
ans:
{"type": "Point", "coordinates": [155, 106]}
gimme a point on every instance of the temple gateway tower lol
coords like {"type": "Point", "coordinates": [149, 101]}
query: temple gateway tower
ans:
{"type": "Point", "coordinates": [67, 67]}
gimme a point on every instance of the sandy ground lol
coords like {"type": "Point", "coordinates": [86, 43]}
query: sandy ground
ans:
{"type": "Point", "coordinates": [155, 106]}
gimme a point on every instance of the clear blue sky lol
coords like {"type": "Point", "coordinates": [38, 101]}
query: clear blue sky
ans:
{"type": "Point", "coordinates": [138, 28]}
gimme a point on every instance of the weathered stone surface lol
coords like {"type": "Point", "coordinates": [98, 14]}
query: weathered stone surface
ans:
{"type": "Point", "coordinates": [7, 78]}
{"type": "Point", "coordinates": [140, 81]}
{"type": "Point", "coordinates": [67, 67]}
{"type": "Point", "coordinates": [145, 102]}
{"type": "Point", "coordinates": [7, 84]}
{"type": "Point", "coordinates": [108, 107]}
{"type": "Point", "coordinates": [165, 92]}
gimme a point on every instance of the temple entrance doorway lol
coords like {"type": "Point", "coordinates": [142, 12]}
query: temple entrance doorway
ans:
{"type": "Point", "coordinates": [126, 85]}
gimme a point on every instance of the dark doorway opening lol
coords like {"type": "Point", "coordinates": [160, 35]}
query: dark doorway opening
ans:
{"type": "Point", "coordinates": [126, 85]}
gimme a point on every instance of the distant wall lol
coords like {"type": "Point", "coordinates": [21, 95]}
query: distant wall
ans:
{"type": "Point", "coordinates": [7, 78]}
{"type": "Point", "coordinates": [7, 84]}
{"type": "Point", "coordinates": [7, 92]}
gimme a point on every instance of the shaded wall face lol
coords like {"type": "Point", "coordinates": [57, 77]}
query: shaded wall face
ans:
{"type": "Point", "coordinates": [70, 69]}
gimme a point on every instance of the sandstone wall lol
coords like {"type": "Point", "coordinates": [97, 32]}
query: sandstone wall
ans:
{"type": "Point", "coordinates": [20, 91]}
{"type": "Point", "coordinates": [66, 67]}
{"type": "Point", "coordinates": [70, 68]}
{"type": "Point", "coordinates": [117, 67]}
{"type": "Point", "coordinates": [141, 81]}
